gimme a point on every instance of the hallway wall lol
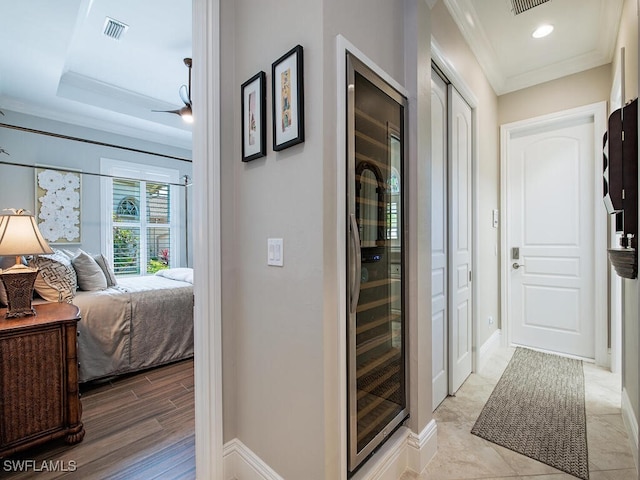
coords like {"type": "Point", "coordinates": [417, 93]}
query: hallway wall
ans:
{"type": "Point", "coordinates": [454, 47]}
{"type": "Point", "coordinates": [281, 335]}
{"type": "Point", "coordinates": [628, 38]}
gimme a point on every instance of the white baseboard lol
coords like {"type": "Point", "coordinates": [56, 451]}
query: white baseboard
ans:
{"type": "Point", "coordinates": [422, 447]}
{"type": "Point", "coordinates": [240, 463]}
{"type": "Point", "coordinates": [488, 347]}
{"type": "Point", "coordinates": [404, 450]}
{"type": "Point", "coordinates": [631, 422]}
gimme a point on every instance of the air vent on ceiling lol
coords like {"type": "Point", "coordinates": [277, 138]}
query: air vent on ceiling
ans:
{"type": "Point", "coordinates": [114, 28]}
{"type": "Point", "coordinates": [521, 6]}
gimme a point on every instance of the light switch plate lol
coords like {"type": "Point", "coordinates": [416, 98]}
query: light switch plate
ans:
{"type": "Point", "coordinates": [275, 252]}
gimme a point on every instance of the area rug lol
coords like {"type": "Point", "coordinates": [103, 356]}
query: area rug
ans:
{"type": "Point", "coordinates": [537, 409]}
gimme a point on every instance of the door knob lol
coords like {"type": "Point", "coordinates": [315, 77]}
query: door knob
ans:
{"type": "Point", "coordinates": [516, 265]}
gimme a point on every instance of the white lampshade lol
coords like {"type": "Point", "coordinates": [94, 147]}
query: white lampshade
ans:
{"type": "Point", "coordinates": [19, 235]}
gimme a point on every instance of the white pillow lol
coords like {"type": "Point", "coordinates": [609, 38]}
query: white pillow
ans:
{"type": "Point", "coordinates": [90, 275]}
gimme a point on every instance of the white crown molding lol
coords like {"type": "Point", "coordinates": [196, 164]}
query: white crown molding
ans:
{"type": "Point", "coordinates": [554, 71]}
{"type": "Point", "coordinates": [137, 128]}
{"type": "Point", "coordinates": [462, 10]}
{"type": "Point", "coordinates": [477, 40]}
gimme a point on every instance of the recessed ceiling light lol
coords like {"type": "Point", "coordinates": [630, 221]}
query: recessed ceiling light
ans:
{"type": "Point", "coordinates": [470, 19]}
{"type": "Point", "coordinates": [542, 31]}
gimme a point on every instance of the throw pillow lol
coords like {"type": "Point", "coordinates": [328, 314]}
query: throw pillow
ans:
{"type": "Point", "coordinates": [56, 280]}
{"type": "Point", "coordinates": [109, 274]}
{"type": "Point", "coordinates": [90, 275]}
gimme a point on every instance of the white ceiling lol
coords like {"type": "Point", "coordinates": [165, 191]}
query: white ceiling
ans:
{"type": "Point", "coordinates": [56, 63]}
{"type": "Point", "coordinates": [584, 37]}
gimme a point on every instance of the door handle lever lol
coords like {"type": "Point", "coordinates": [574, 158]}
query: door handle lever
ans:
{"type": "Point", "coordinates": [516, 265]}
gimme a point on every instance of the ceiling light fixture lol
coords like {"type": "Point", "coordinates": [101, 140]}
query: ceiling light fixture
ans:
{"type": "Point", "coordinates": [542, 31]}
{"type": "Point", "coordinates": [186, 114]}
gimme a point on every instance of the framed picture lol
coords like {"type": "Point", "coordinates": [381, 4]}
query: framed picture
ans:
{"type": "Point", "coordinates": [254, 117]}
{"type": "Point", "coordinates": [288, 99]}
{"type": "Point", "coordinates": [58, 204]}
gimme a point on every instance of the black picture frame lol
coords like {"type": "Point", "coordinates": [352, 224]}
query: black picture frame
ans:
{"type": "Point", "coordinates": [287, 88]}
{"type": "Point", "coordinates": [254, 117]}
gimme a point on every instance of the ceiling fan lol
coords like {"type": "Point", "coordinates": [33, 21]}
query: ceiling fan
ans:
{"type": "Point", "coordinates": [185, 95]}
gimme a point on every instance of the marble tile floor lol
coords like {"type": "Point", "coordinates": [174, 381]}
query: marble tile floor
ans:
{"type": "Point", "coordinates": [462, 455]}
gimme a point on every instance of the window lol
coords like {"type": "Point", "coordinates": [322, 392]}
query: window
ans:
{"type": "Point", "coordinates": [142, 215]}
{"type": "Point", "coordinates": [393, 183]}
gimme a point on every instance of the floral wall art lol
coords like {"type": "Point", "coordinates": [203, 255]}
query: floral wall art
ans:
{"type": "Point", "coordinates": [58, 196]}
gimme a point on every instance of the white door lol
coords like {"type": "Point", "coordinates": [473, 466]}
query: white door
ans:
{"type": "Point", "coordinates": [551, 198]}
{"type": "Point", "coordinates": [460, 240]}
{"type": "Point", "coordinates": [439, 245]}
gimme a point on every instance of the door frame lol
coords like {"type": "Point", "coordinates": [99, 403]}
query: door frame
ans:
{"type": "Point", "coordinates": [207, 286]}
{"type": "Point", "coordinates": [449, 70]}
{"type": "Point", "coordinates": [597, 112]}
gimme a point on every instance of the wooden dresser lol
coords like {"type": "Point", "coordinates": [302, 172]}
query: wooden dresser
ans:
{"type": "Point", "coordinates": [39, 397]}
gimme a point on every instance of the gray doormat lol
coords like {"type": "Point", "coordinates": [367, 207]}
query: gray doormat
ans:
{"type": "Point", "coordinates": [537, 409]}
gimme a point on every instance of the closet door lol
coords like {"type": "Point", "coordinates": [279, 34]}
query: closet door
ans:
{"type": "Point", "coordinates": [375, 245]}
{"type": "Point", "coordinates": [439, 240]}
{"type": "Point", "coordinates": [460, 241]}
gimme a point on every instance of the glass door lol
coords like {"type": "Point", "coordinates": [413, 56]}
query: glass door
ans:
{"type": "Point", "coordinates": [376, 337]}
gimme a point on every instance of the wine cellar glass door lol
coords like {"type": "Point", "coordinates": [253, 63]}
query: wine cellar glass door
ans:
{"type": "Point", "coordinates": [377, 391]}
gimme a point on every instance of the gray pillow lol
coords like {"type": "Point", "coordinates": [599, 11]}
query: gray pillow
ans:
{"type": "Point", "coordinates": [90, 275]}
{"type": "Point", "coordinates": [106, 269]}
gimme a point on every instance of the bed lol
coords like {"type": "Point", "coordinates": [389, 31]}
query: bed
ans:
{"type": "Point", "coordinates": [139, 323]}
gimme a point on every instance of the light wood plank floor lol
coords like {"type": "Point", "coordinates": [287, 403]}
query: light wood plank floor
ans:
{"type": "Point", "coordinates": [137, 427]}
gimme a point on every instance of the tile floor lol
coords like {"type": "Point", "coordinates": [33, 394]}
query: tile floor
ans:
{"type": "Point", "coordinates": [465, 456]}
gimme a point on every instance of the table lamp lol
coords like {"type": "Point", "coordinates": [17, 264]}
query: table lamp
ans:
{"type": "Point", "coordinates": [19, 235]}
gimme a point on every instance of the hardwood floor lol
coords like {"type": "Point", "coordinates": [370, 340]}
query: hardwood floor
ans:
{"type": "Point", "coordinates": [137, 427]}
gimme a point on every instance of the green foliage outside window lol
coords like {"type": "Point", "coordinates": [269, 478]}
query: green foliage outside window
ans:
{"type": "Point", "coordinates": [125, 250]}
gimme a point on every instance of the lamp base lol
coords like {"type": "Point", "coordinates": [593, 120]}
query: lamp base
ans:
{"type": "Point", "coordinates": [19, 287]}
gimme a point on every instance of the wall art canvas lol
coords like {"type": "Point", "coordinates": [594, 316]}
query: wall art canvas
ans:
{"type": "Point", "coordinates": [254, 117]}
{"type": "Point", "coordinates": [58, 207]}
{"type": "Point", "coordinates": [288, 99]}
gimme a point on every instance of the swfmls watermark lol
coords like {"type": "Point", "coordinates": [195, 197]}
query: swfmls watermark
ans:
{"type": "Point", "coordinates": [39, 466]}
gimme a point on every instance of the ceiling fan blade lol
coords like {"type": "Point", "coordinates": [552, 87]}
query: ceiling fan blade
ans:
{"type": "Point", "coordinates": [184, 95]}
{"type": "Point", "coordinates": [177, 112]}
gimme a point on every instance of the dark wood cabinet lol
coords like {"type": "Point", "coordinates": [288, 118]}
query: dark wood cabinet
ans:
{"type": "Point", "coordinates": [621, 186]}
{"type": "Point", "coordinates": [39, 396]}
